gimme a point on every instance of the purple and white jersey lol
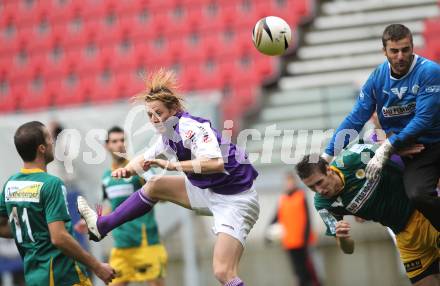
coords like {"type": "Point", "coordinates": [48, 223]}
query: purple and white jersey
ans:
{"type": "Point", "coordinates": [193, 137]}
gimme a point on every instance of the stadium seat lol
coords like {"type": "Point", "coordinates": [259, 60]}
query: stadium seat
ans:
{"type": "Point", "coordinates": [9, 10]}
{"type": "Point", "coordinates": [36, 93]}
{"type": "Point", "coordinates": [191, 46]}
{"type": "Point", "coordinates": [6, 63]}
{"type": "Point", "coordinates": [88, 58]}
{"type": "Point", "coordinates": [25, 11]}
{"type": "Point", "coordinates": [108, 86]}
{"type": "Point", "coordinates": [210, 75]}
{"type": "Point", "coordinates": [93, 50]}
{"type": "Point", "coordinates": [8, 96]}
{"type": "Point", "coordinates": [143, 26]}
{"type": "Point", "coordinates": [34, 66]}
{"type": "Point", "coordinates": [245, 95]}
{"type": "Point", "coordinates": [58, 66]}
{"type": "Point", "coordinates": [11, 43]}
{"type": "Point", "coordinates": [73, 89]}
{"type": "Point", "coordinates": [62, 11]}
{"type": "Point", "coordinates": [75, 35]}
{"type": "Point", "coordinates": [230, 14]}
{"type": "Point", "coordinates": [130, 84]}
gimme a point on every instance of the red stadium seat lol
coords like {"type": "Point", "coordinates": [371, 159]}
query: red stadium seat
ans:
{"type": "Point", "coordinates": [76, 36]}
{"type": "Point", "coordinates": [12, 42]}
{"type": "Point", "coordinates": [130, 84]}
{"type": "Point", "coordinates": [190, 76]}
{"type": "Point", "coordinates": [34, 67]}
{"type": "Point", "coordinates": [73, 89]}
{"type": "Point", "coordinates": [64, 11]}
{"type": "Point", "coordinates": [107, 87]}
{"type": "Point", "coordinates": [8, 96]}
{"type": "Point", "coordinates": [6, 63]}
{"type": "Point", "coordinates": [93, 50]}
{"type": "Point", "coordinates": [25, 12]}
{"type": "Point", "coordinates": [245, 95]}
{"type": "Point", "coordinates": [37, 93]}
{"type": "Point", "coordinates": [143, 25]}
{"type": "Point", "coordinates": [9, 10]}
{"type": "Point", "coordinates": [229, 13]}
{"type": "Point", "coordinates": [111, 31]}
{"type": "Point", "coordinates": [88, 58]}
{"type": "Point", "coordinates": [198, 47]}
{"type": "Point", "coordinates": [210, 75]}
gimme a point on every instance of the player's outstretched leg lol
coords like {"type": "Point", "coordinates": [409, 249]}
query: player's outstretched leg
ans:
{"type": "Point", "coordinates": [135, 206]}
{"type": "Point", "coordinates": [164, 188]}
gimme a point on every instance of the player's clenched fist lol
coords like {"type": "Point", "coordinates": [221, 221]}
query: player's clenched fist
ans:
{"type": "Point", "coordinates": [343, 229]}
{"type": "Point", "coordinates": [105, 272]}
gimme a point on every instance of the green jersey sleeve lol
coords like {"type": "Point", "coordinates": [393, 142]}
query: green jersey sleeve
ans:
{"type": "Point", "coordinates": [329, 215]}
{"type": "Point", "coordinates": [55, 202]}
{"type": "Point", "coordinates": [330, 219]}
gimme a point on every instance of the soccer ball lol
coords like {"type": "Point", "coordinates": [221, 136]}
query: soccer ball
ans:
{"type": "Point", "coordinates": [272, 36]}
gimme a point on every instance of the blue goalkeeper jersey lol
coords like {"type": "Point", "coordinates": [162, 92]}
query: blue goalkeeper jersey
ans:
{"type": "Point", "coordinates": [408, 107]}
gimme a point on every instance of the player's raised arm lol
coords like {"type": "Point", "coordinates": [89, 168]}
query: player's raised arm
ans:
{"type": "Point", "coordinates": [345, 243]}
{"type": "Point", "coordinates": [136, 165]}
{"type": "Point", "coordinates": [198, 165]}
{"type": "Point", "coordinates": [355, 121]}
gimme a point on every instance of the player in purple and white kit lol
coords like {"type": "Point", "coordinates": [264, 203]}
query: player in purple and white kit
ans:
{"type": "Point", "coordinates": [218, 178]}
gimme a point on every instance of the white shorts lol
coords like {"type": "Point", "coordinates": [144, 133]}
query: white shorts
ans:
{"type": "Point", "coordinates": [233, 214]}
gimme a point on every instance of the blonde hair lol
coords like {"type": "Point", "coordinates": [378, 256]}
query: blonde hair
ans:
{"type": "Point", "coordinates": [162, 85]}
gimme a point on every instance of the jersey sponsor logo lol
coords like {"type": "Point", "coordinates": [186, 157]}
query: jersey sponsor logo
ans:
{"type": "Point", "coordinates": [399, 92]}
{"type": "Point", "coordinates": [189, 134]}
{"type": "Point", "coordinates": [399, 110]}
{"type": "Point", "coordinates": [433, 88]}
{"type": "Point", "coordinates": [413, 265]}
{"type": "Point", "coordinates": [117, 191]}
{"type": "Point", "coordinates": [363, 195]}
{"type": "Point", "coordinates": [329, 220]}
{"type": "Point", "coordinates": [23, 191]}
{"type": "Point", "coordinates": [205, 134]}
{"type": "Point", "coordinates": [206, 138]}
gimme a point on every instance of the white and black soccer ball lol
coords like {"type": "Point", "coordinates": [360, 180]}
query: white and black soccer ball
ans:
{"type": "Point", "coordinates": [272, 36]}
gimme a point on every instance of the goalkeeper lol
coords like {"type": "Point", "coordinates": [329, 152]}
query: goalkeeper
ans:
{"type": "Point", "coordinates": [405, 92]}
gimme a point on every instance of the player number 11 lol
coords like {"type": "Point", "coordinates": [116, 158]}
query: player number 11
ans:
{"type": "Point", "coordinates": [14, 217]}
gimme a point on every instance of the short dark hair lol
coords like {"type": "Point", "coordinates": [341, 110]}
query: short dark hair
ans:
{"type": "Point", "coordinates": [309, 164]}
{"type": "Point", "coordinates": [114, 129]}
{"type": "Point", "coordinates": [27, 138]}
{"type": "Point", "coordinates": [395, 32]}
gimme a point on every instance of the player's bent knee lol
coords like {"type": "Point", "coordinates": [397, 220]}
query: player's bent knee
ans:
{"type": "Point", "coordinates": [151, 188]}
